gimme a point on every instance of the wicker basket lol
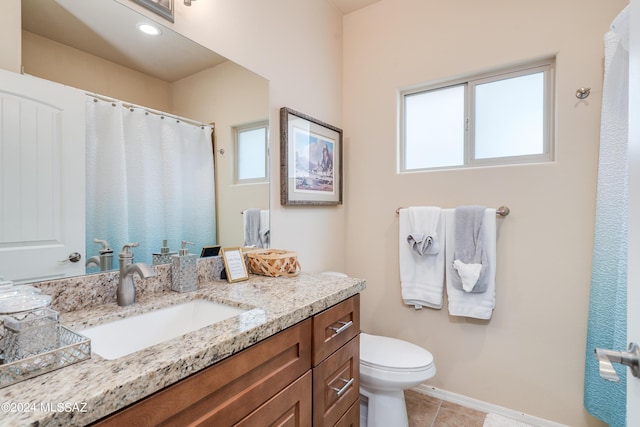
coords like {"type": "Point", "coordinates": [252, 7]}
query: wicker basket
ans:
{"type": "Point", "coordinates": [273, 262]}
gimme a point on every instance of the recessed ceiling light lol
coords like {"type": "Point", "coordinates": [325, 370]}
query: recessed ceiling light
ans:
{"type": "Point", "coordinates": [149, 29]}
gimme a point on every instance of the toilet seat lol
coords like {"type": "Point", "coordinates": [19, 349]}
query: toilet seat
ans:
{"type": "Point", "coordinates": [391, 354]}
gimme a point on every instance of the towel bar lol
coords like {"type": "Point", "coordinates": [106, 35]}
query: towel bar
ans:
{"type": "Point", "coordinates": [502, 211]}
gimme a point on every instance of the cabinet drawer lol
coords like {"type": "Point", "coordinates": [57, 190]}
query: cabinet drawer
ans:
{"type": "Point", "coordinates": [334, 327]}
{"type": "Point", "coordinates": [289, 408]}
{"type": "Point", "coordinates": [226, 392]}
{"type": "Point", "coordinates": [351, 418]}
{"type": "Point", "coordinates": [336, 384]}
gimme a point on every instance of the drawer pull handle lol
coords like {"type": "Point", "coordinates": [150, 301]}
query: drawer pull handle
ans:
{"type": "Point", "coordinates": [344, 327]}
{"type": "Point", "coordinates": [344, 388]}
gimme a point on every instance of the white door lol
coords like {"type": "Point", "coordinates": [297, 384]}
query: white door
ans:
{"type": "Point", "coordinates": [42, 176]}
{"type": "Point", "coordinates": [633, 273]}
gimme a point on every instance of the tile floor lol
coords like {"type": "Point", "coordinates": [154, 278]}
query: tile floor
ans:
{"type": "Point", "coordinates": [427, 411]}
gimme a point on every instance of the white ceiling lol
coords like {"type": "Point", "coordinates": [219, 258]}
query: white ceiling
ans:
{"type": "Point", "coordinates": [108, 29]}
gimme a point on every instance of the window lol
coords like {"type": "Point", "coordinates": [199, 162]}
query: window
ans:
{"type": "Point", "coordinates": [251, 146]}
{"type": "Point", "coordinates": [500, 118]}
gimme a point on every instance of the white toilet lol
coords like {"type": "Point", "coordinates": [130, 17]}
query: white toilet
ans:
{"type": "Point", "coordinates": [388, 366]}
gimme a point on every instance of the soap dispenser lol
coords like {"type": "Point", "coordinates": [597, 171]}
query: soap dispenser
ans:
{"type": "Point", "coordinates": [184, 277]}
{"type": "Point", "coordinates": [164, 256]}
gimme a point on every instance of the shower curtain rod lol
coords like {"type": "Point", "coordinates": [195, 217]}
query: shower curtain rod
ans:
{"type": "Point", "coordinates": [129, 105]}
{"type": "Point", "coordinates": [501, 211]}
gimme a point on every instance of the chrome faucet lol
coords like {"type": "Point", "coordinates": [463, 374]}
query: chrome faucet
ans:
{"type": "Point", "coordinates": [104, 261]}
{"type": "Point", "coordinates": [126, 292]}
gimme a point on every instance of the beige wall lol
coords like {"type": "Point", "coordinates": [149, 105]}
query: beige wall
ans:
{"type": "Point", "coordinates": [10, 37]}
{"type": "Point", "coordinates": [530, 356]}
{"type": "Point", "coordinates": [47, 59]}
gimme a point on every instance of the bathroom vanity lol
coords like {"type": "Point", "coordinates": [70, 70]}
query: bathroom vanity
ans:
{"type": "Point", "coordinates": [292, 355]}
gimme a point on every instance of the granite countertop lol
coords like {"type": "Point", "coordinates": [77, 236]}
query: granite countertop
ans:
{"type": "Point", "coordinates": [87, 391]}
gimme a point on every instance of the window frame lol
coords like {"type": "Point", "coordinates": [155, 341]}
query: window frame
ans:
{"type": "Point", "coordinates": [546, 66]}
{"type": "Point", "coordinates": [263, 124]}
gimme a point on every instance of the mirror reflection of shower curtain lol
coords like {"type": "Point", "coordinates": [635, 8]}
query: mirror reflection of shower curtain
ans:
{"type": "Point", "coordinates": [149, 178]}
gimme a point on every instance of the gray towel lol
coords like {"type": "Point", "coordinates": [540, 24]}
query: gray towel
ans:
{"type": "Point", "coordinates": [252, 227]}
{"type": "Point", "coordinates": [470, 258]}
{"type": "Point", "coordinates": [423, 243]}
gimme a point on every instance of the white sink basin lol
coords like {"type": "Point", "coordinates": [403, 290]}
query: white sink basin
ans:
{"type": "Point", "coordinates": [125, 336]}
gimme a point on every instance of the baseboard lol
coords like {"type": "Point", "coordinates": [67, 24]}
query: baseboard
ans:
{"type": "Point", "coordinates": [484, 406]}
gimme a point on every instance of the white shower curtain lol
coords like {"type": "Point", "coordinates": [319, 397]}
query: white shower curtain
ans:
{"type": "Point", "coordinates": [149, 178]}
{"type": "Point", "coordinates": [607, 326]}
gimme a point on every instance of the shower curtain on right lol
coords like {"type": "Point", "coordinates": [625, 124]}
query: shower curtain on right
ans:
{"type": "Point", "coordinates": [607, 325]}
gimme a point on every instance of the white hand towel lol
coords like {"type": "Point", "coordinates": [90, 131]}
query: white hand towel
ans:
{"type": "Point", "coordinates": [421, 276]}
{"type": "Point", "coordinates": [467, 304]}
{"type": "Point", "coordinates": [469, 274]}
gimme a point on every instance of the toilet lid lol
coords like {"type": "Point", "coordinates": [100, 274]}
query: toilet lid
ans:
{"type": "Point", "coordinates": [392, 354]}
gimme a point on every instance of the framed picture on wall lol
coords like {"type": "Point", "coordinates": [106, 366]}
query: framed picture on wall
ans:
{"type": "Point", "coordinates": [163, 8]}
{"type": "Point", "coordinates": [310, 160]}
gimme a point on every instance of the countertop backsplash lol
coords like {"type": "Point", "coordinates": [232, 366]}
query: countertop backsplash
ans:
{"type": "Point", "coordinates": [82, 292]}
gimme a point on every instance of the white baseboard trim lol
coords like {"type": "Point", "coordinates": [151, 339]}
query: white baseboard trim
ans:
{"type": "Point", "coordinates": [484, 406]}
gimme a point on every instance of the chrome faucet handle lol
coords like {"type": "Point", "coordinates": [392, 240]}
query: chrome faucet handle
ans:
{"type": "Point", "coordinates": [126, 249]}
{"type": "Point", "coordinates": [629, 358]}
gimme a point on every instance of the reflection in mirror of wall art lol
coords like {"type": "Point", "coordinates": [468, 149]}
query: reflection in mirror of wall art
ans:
{"type": "Point", "coordinates": [310, 160]}
{"type": "Point", "coordinates": [163, 8]}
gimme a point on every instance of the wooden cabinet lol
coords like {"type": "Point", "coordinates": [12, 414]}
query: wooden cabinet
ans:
{"type": "Point", "coordinates": [289, 408]}
{"type": "Point", "coordinates": [334, 327]}
{"type": "Point", "coordinates": [336, 364]}
{"type": "Point", "coordinates": [351, 418]}
{"type": "Point", "coordinates": [305, 375]}
{"type": "Point", "coordinates": [229, 390]}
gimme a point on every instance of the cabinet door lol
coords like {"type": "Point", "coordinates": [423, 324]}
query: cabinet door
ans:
{"type": "Point", "coordinates": [351, 418]}
{"type": "Point", "coordinates": [289, 408]}
{"type": "Point", "coordinates": [334, 327]}
{"type": "Point", "coordinates": [226, 392]}
{"type": "Point", "coordinates": [336, 384]}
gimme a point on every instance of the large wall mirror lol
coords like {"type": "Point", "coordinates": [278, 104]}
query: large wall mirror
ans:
{"type": "Point", "coordinates": [96, 47]}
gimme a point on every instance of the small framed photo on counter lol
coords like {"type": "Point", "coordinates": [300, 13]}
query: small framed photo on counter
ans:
{"type": "Point", "coordinates": [208, 251]}
{"type": "Point", "coordinates": [234, 264]}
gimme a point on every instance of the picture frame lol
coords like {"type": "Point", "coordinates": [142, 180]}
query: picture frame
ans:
{"type": "Point", "coordinates": [209, 251]}
{"type": "Point", "coordinates": [310, 160]}
{"type": "Point", "coordinates": [235, 267]}
{"type": "Point", "coordinates": [163, 8]}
